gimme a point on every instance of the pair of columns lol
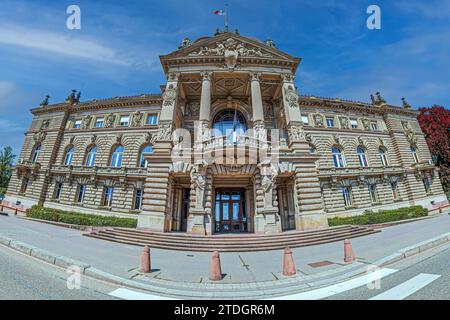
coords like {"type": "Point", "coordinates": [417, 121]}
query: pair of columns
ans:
{"type": "Point", "coordinates": [205, 102]}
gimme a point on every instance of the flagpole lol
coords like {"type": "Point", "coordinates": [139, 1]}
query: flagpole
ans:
{"type": "Point", "coordinates": [226, 18]}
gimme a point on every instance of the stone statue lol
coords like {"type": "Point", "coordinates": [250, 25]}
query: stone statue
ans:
{"type": "Point", "coordinates": [291, 96]}
{"type": "Point", "coordinates": [269, 175]}
{"type": "Point", "coordinates": [411, 137]}
{"type": "Point", "coordinates": [198, 180]}
{"type": "Point", "coordinates": [77, 97]}
{"type": "Point", "coordinates": [165, 132]}
{"type": "Point", "coordinates": [185, 43]}
{"type": "Point", "coordinates": [380, 98]}
{"type": "Point", "coordinates": [318, 120]}
{"type": "Point", "coordinates": [344, 122]}
{"type": "Point", "coordinates": [45, 101]}
{"type": "Point", "coordinates": [72, 97]}
{"type": "Point", "coordinates": [170, 95]}
{"type": "Point", "coordinates": [86, 123]}
{"type": "Point", "coordinates": [270, 43]}
{"type": "Point", "coordinates": [406, 105]}
{"type": "Point", "coordinates": [374, 100]}
{"type": "Point", "coordinates": [366, 124]}
{"type": "Point", "coordinates": [136, 120]}
{"type": "Point", "coordinates": [110, 120]}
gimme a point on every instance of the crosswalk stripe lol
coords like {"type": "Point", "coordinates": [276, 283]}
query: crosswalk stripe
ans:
{"type": "Point", "coordinates": [127, 294]}
{"type": "Point", "coordinates": [339, 287]}
{"type": "Point", "coordinates": [407, 288]}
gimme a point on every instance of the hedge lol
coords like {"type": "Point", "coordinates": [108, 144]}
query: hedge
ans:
{"type": "Point", "coordinates": [370, 217]}
{"type": "Point", "coordinates": [49, 214]}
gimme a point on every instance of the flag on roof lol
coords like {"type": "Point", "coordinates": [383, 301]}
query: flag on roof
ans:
{"type": "Point", "coordinates": [220, 12]}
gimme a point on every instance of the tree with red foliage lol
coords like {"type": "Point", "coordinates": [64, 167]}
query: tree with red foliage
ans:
{"type": "Point", "coordinates": [435, 123]}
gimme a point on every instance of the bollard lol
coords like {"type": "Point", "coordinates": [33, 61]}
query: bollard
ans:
{"type": "Point", "coordinates": [145, 261]}
{"type": "Point", "coordinates": [288, 263]}
{"type": "Point", "coordinates": [215, 272]}
{"type": "Point", "coordinates": [349, 256]}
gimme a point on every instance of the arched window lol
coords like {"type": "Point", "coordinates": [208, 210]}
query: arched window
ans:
{"type": "Point", "coordinates": [230, 123]}
{"type": "Point", "coordinates": [145, 150]}
{"type": "Point", "coordinates": [362, 157]}
{"type": "Point", "coordinates": [312, 149]}
{"type": "Point", "coordinates": [70, 151]}
{"type": "Point", "coordinates": [338, 157]}
{"type": "Point", "coordinates": [383, 156]}
{"type": "Point", "coordinates": [116, 157]}
{"type": "Point", "coordinates": [36, 152]}
{"type": "Point", "coordinates": [414, 154]}
{"type": "Point", "coordinates": [90, 157]}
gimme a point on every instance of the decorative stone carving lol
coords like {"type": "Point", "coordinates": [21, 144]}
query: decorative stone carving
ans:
{"type": "Point", "coordinates": [110, 120]}
{"type": "Point", "coordinates": [203, 132]}
{"type": "Point", "coordinates": [337, 140]}
{"type": "Point", "coordinates": [232, 47]}
{"type": "Point", "coordinates": [185, 43]}
{"type": "Point", "coordinates": [377, 100]}
{"type": "Point", "coordinates": [344, 122]}
{"type": "Point", "coordinates": [318, 120]}
{"type": "Point", "coordinates": [86, 122]}
{"type": "Point", "coordinates": [165, 132]}
{"type": "Point", "coordinates": [268, 109]}
{"type": "Point", "coordinates": [74, 97]}
{"type": "Point", "coordinates": [119, 138]}
{"type": "Point", "coordinates": [260, 131]}
{"type": "Point", "coordinates": [291, 96]}
{"type": "Point", "coordinates": [170, 95]}
{"type": "Point", "coordinates": [93, 139]}
{"type": "Point", "coordinates": [150, 138]}
{"type": "Point", "coordinates": [45, 124]}
{"type": "Point", "coordinates": [40, 136]}
{"type": "Point", "coordinates": [136, 119]}
{"type": "Point", "coordinates": [308, 138]}
{"type": "Point", "coordinates": [360, 141]}
{"type": "Point", "coordinates": [405, 103]}
{"type": "Point", "coordinates": [193, 109]}
{"type": "Point", "coordinates": [411, 137]}
{"type": "Point", "coordinates": [270, 43]}
{"type": "Point", "coordinates": [269, 174]}
{"type": "Point", "coordinates": [296, 133]}
{"type": "Point", "coordinates": [366, 124]}
{"type": "Point", "coordinates": [381, 142]}
{"type": "Point", "coordinates": [405, 125]}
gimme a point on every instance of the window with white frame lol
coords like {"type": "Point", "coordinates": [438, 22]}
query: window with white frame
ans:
{"type": "Point", "coordinates": [107, 196]}
{"type": "Point", "coordinates": [383, 156]}
{"type": "Point", "coordinates": [152, 119]}
{"type": "Point", "coordinates": [81, 192]}
{"type": "Point", "coordinates": [305, 120]}
{"type": "Point", "coordinates": [58, 191]}
{"type": "Point", "coordinates": [347, 195]}
{"type": "Point", "coordinates": [362, 155]}
{"type": "Point", "coordinates": [374, 125]}
{"type": "Point", "coordinates": [77, 124]}
{"type": "Point", "coordinates": [373, 193]}
{"type": "Point", "coordinates": [99, 122]}
{"type": "Point", "coordinates": [330, 122]}
{"type": "Point", "coordinates": [138, 196]}
{"type": "Point", "coordinates": [354, 123]}
{"type": "Point", "coordinates": [338, 157]}
{"type": "Point", "coordinates": [414, 154]}
{"type": "Point", "coordinates": [70, 151]}
{"type": "Point", "coordinates": [124, 121]}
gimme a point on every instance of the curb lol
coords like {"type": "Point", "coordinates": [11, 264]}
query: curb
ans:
{"type": "Point", "coordinates": [189, 293]}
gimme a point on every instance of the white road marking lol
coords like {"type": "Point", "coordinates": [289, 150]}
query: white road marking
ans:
{"type": "Point", "coordinates": [407, 288]}
{"type": "Point", "coordinates": [339, 287]}
{"type": "Point", "coordinates": [127, 294]}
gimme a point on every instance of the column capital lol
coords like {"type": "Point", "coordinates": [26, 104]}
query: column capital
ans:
{"type": "Point", "coordinates": [206, 75]}
{"type": "Point", "coordinates": [287, 77]}
{"type": "Point", "coordinates": [255, 76]}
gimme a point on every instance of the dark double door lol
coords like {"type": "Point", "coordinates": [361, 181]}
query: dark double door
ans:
{"type": "Point", "coordinates": [230, 211]}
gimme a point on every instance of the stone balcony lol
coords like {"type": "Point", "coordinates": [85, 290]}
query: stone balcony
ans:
{"type": "Point", "coordinates": [99, 171]}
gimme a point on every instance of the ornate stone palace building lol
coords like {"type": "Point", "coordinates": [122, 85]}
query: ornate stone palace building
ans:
{"type": "Point", "coordinates": [123, 156]}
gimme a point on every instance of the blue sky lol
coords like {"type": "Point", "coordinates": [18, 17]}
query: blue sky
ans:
{"type": "Point", "coordinates": [116, 51]}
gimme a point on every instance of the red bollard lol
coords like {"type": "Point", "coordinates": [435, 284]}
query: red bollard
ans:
{"type": "Point", "coordinates": [288, 263]}
{"type": "Point", "coordinates": [215, 273]}
{"type": "Point", "coordinates": [349, 256]}
{"type": "Point", "coordinates": [146, 266]}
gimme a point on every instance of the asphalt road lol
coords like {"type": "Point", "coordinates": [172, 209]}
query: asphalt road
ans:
{"type": "Point", "coordinates": [23, 277]}
{"type": "Point", "coordinates": [412, 277]}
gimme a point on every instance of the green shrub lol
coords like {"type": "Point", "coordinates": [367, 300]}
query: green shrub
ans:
{"type": "Point", "coordinates": [49, 214]}
{"type": "Point", "coordinates": [370, 217]}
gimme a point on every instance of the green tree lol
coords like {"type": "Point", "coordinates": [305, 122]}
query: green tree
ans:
{"type": "Point", "coordinates": [6, 164]}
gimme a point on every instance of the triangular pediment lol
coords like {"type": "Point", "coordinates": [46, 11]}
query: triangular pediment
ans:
{"type": "Point", "coordinates": [229, 43]}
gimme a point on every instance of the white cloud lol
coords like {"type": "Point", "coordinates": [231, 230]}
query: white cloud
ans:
{"type": "Point", "coordinates": [6, 87]}
{"type": "Point", "coordinates": [59, 44]}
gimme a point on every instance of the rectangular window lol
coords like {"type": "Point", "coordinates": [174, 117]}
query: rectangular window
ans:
{"type": "Point", "coordinates": [373, 193]}
{"type": "Point", "coordinates": [77, 124]}
{"type": "Point", "coordinates": [374, 126]}
{"type": "Point", "coordinates": [99, 122]}
{"type": "Point", "coordinates": [305, 120]}
{"type": "Point", "coordinates": [138, 195]}
{"type": "Point", "coordinates": [395, 194]}
{"type": "Point", "coordinates": [58, 191]}
{"type": "Point", "coordinates": [347, 194]}
{"type": "Point", "coordinates": [354, 123]}
{"type": "Point", "coordinates": [81, 191]}
{"type": "Point", "coordinates": [24, 186]}
{"type": "Point", "coordinates": [124, 121]}
{"type": "Point", "coordinates": [107, 196]}
{"type": "Point", "coordinates": [330, 122]}
{"type": "Point", "coordinates": [152, 119]}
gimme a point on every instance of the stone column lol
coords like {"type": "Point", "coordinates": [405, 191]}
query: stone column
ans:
{"type": "Point", "coordinates": [257, 104]}
{"type": "Point", "coordinates": [205, 102]}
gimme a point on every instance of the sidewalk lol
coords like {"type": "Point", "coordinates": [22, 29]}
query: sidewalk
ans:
{"type": "Point", "coordinates": [123, 260]}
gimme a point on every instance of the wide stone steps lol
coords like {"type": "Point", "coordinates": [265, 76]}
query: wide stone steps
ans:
{"type": "Point", "coordinates": [231, 243]}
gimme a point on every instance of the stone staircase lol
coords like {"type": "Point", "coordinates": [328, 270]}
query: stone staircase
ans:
{"type": "Point", "coordinates": [229, 243]}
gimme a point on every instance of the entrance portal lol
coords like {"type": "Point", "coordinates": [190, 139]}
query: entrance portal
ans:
{"type": "Point", "coordinates": [230, 212]}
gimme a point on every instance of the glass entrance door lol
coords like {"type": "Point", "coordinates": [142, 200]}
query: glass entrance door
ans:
{"type": "Point", "coordinates": [230, 213]}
